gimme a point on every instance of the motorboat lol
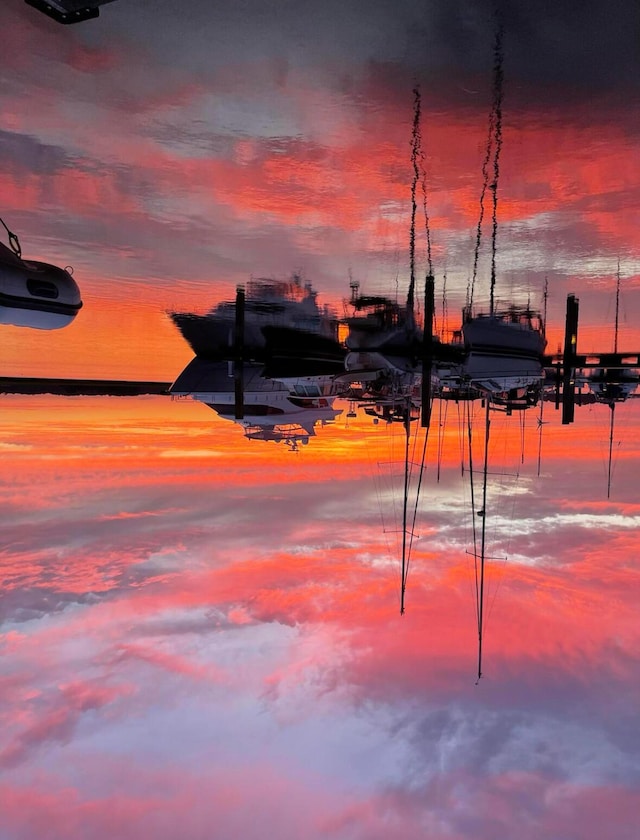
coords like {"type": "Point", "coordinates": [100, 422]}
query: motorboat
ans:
{"type": "Point", "coordinates": [286, 409]}
{"type": "Point", "coordinates": [36, 294]}
{"type": "Point", "coordinates": [381, 324]}
{"type": "Point", "coordinates": [288, 305]}
{"type": "Point", "coordinates": [503, 350]}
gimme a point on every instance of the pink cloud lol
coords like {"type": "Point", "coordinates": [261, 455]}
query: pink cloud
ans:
{"type": "Point", "coordinates": [53, 718]}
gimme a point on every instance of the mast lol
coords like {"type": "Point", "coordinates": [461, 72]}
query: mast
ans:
{"type": "Point", "coordinates": [415, 152]}
{"type": "Point", "coordinates": [405, 555]}
{"type": "Point", "coordinates": [544, 329]}
{"type": "Point", "coordinates": [498, 78]}
{"type": "Point", "coordinates": [483, 537]}
{"type": "Point", "coordinates": [612, 404]}
{"type": "Point", "coordinates": [238, 353]}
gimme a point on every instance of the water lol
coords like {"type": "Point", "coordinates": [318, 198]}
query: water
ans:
{"type": "Point", "coordinates": [200, 631]}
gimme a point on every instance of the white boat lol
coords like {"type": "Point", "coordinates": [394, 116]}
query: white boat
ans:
{"type": "Point", "coordinates": [286, 409]}
{"type": "Point", "coordinates": [36, 294]}
{"type": "Point", "coordinates": [504, 351]}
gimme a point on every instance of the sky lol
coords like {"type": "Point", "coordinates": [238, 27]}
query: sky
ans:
{"type": "Point", "coordinates": [200, 633]}
{"type": "Point", "coordinates": [168, 152]}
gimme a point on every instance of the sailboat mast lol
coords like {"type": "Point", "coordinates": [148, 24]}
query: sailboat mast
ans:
{"type": "Point", "coordinates": [483, 537]}
{"type": "Point", "coordinates": [612, 404]}
{"type": "Point", "coordinates": [615, 335]}
{"type": "Point", "coordinates": [415, 154]}
{"type": "Point", "coordinates": [498, 78]}
{"type": "Point", "coordinates": [405, 569]}
{"type": "Point", "coordinates": [544, 331]}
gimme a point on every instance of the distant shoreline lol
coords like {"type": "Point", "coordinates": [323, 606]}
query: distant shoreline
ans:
{"type": "Point", "coordinates": [81, 387]}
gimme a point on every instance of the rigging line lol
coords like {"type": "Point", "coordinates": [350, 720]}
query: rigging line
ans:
{"type": "Point", "coordinates": [440, 437]}
{"type": "Point", "coordinates": [498, 79]}
{"type": "Point", "coordinates": [404, 512]}
{"type": "Point", "coordinates": [415, 444]}
{"type": "Point", "coordinates": [14, 242]}
{"type": "Point", "coordinates": [415, 509]}
{"type": "Point", "coordinates": [473, 517]}
{"type": "Point", "coordinates": [540, 425]}
{"type": "Point", "coordinates": [386, 487]}
{"type": "Point", "coordinates": [612, 406]}
{"type": "Point", "coordinates": [483, 539]}
{"type": "Point", "coordinates": [500, 580]}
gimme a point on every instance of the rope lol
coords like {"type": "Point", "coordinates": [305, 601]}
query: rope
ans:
{"type": "Point", "coordinates": [415, 508]}
{"type": "Point", "coordinates": [14, 242]}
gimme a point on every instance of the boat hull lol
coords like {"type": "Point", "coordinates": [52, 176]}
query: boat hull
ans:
{"type": "Point", "coordinates": [36, 294]}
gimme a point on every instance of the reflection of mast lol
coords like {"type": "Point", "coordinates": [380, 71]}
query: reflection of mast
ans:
{"type": "Point", "coordinates": [544, 330]}
{"type": "Point", "coordinates": [405, 558]}
{"type": "Point", "coordinates": [612, 404]}
{"type": "Point", "coordinates": [408, 528]}
{"type": "Point", "coordinates": [416, 152]}
{"type": "Point", "coordinates": [479, 556]}
{"type": "Point", "coordinates": [494, 146]}
{"type": "Point", "coordinates": [238, 354]}
{"type": "Point", "coordinates": [482, 513]}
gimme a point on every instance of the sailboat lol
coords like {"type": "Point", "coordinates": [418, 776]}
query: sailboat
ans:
{"type": "Point", "coordinates": [503, 363]}
{"type": "Point", "coordinates": [385, 363]}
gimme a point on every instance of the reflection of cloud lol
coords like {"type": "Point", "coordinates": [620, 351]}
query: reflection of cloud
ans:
{"type": "Point", "coordinates": [167, 661]}
{"type": "Point", "coordinates": [55, 718]}
{"type": "Point", "coordinates": [28, 155]}
{"type": "Point", "coordinates": [249, 614]}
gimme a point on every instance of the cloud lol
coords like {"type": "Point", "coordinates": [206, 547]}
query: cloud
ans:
{"type": "Point", "coordinates": [53, 719]}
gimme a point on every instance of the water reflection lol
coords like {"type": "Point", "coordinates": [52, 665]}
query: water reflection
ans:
{"type": "Point", "coordinates": [202, 631]}
{"type": "Point", "coordinates": [280, 408]}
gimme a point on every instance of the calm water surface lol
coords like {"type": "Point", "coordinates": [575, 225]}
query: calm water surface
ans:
{"type": "Point", "coordinates": [200, 633]}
